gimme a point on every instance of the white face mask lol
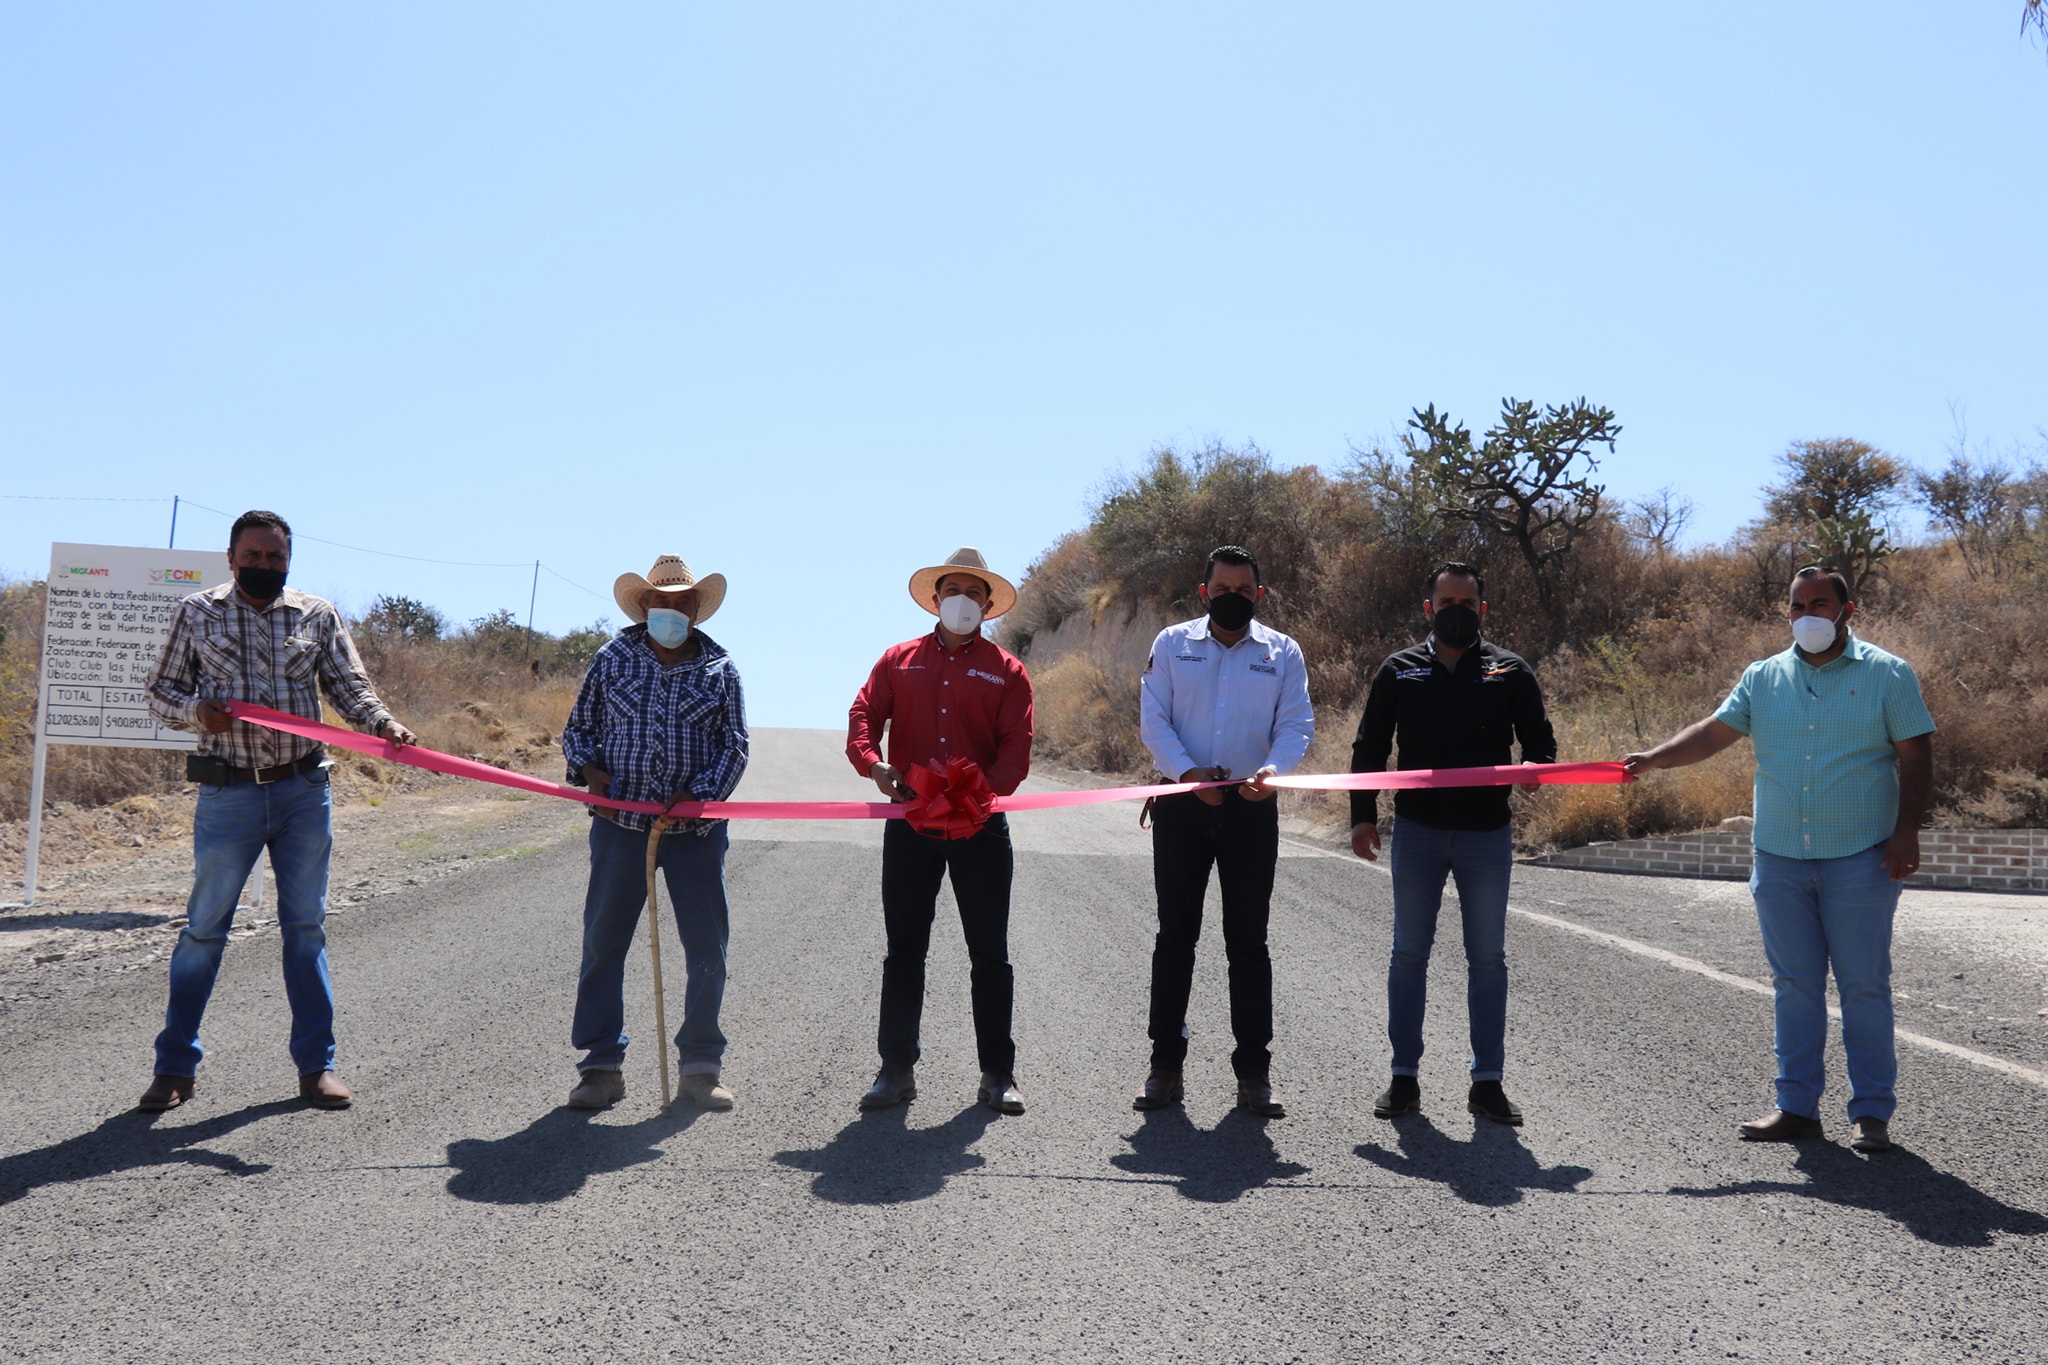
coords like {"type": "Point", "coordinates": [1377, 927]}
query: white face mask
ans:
{"type": "Point", "coordinates": [667, 628]}
{"type": "Point", "coordinates": [1814, 634]}
{"type": "Point", "coordinates": [961, 614]}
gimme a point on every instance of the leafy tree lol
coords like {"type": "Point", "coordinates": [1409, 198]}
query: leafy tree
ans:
{"type": "Point", "coordinates": [1526, 482]}
{"type": "Point", "coordinates": [500, 633]}
{"type": "Point", "coordinates": [1833, 480]}
{"type": "Point", "coordinates": [574, 649]}
{"type": "Point", "coordinates": [403, 618]}
{"type": "Point", "coordinates": [1152, 531]}
{"type": "Point", "coordinates": [1981, 506]}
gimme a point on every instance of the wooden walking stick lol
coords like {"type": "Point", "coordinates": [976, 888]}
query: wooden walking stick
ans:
{"type": "Point", "coordinates": [661, 827]}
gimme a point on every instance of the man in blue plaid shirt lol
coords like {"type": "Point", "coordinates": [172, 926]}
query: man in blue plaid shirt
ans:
{"type": "Point", "coordinates": [659, 718]}
{"type": "Point", "coordinates": [1844, 764]}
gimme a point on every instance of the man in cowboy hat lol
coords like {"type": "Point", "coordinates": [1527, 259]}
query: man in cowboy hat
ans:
{"type": "Point", "coordinates": [950, 694]}
{"type": "Point", "coordinates": [659, 718]}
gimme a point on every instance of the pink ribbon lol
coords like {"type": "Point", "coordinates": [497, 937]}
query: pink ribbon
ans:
{"type": "Point", "coordinates": [412, 755]}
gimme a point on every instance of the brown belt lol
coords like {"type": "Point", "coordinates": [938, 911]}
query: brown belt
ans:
{"type": "Point", "coordinates": [261, 776]}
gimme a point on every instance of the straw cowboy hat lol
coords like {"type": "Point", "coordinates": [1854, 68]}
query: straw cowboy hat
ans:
{"type": "Point", "coordinates": [924, 584]}
{"type": "Point", "coordinates": [669, 574]}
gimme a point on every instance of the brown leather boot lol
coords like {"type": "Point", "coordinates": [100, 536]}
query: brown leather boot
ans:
{"type": "Point", "coordinates": [1779, 1126]}
{"type": "Point", "coordinates": [323, 1090]}
{"type": "Point", "coordinates": [165, 1092]}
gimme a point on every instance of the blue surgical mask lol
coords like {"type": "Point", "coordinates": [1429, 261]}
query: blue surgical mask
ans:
{"type": "Point", "coordinates": [666, 627]}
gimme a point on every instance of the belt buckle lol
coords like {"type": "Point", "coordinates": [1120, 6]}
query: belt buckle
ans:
{"type": "Point", "coordinates": [256, 774]}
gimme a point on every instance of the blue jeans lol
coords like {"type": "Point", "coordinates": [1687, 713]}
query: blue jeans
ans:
{"type": "Point", "coordinates": [1813, 912]}
{"type": "Point", "coordinates": [230, 829]}
{"type": "Point", "coordinates": [1421, 858]}
{"type": "Point", "coordinates": [693, 865]}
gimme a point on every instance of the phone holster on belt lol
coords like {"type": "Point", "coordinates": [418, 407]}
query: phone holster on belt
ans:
{"type": "Point", "coordinates": [211, 769]}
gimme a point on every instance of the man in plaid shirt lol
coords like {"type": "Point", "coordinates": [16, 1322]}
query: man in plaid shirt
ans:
{"type": "Point", "coordinates": [1844, 763]}
{"type": "Point", "coordinates": [659, 718]}
{"type": "Point", "coordinates": [256, 640]}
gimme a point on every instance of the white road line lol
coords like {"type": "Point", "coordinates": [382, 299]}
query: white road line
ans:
{"type": "Point", "coordinates": [1698, 968]}
{"type": "Point", "coordinates": [1741, 983]}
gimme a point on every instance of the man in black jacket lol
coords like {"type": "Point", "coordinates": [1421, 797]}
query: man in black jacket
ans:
{"type": "Point", "coordinates": [1453, 701]}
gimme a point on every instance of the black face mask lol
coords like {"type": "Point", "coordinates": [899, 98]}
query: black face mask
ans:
{"type": "Point", "coordinates": [263, 585]}
{"type": "Point", "coordinates": [1457, 627]}
{"type": "Point", "coordinates": [1230, 610]}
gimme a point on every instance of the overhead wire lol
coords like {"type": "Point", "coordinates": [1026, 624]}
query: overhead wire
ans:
{"type": "Point", "coordinates": [336, 544]}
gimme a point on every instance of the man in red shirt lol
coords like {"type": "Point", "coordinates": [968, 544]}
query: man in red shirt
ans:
{"type": "Point", "coordinates": [950, 694]}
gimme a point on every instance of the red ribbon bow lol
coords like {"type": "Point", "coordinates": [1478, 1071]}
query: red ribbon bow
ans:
{"type": "Point", "coordinates": [954, 801]}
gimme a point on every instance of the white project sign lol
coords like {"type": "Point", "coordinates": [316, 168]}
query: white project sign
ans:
{"type": "Point", "coordinates": [108, 614]}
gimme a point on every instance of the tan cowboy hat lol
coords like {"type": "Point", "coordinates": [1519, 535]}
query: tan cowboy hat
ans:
{"type": "Point", "coordinates": [669, 574]}
{"type": "Point", "coordinates": [924, 584]}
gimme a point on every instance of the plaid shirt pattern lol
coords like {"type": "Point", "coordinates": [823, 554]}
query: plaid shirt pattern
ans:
{"type": "Point", "coordinates": [1827, 775]}
{"type": "Point", "coordinates": [659, 732]}
{"type": "Point", "coordinates": [284, 656]}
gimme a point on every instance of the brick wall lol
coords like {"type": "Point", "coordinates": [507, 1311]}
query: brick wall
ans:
{"type": "Point", "coordinates": [1959, 859]}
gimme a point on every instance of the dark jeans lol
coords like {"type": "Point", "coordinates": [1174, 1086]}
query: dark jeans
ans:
{"type": "Point", "coordinates": [1242, 840]}
{"type": "Point", "coordinates": [912, 866]}
{"type": "Point", "coordinates": [1421, 857]}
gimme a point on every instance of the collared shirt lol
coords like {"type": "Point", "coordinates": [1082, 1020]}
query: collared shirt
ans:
{"type": "Point", "coordinates": [974, 701]}
{"type": "Point", "coordinates": [1467, 717]}
{"type": "Point", "coordinates": [1827, 776]}
{"type": "Point", "coordinates": [1202, 704]}
{"type": "Point", "coordinates": [660, 730]}
{"type": "Point", "coordinates": [282, 656]}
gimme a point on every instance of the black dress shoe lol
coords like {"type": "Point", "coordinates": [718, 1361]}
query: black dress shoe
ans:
{"type": "Point", "coordinates": [1487, 1099]}
{"type": "Point", "coordinates": [1779, 1126]}
{"type": "Point", "coordinates": [165, 1092]}
{"type": "Point", "coordinates": [1402, 1096]}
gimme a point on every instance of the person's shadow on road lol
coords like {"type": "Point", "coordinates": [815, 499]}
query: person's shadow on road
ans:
{"type": "Point", "coordinates": [1214, 1167]}
{"type": "Point", "coordinates": [880, 1159]}
{"type": "Point", "coordinates": [552, 1157]}
{"type": "Point", "coordinates": [1493, 1169]}
{"type": "Point", "coordinates": [132, 1141]}
{"type": "Point", "coordinates": [1932, 1205]}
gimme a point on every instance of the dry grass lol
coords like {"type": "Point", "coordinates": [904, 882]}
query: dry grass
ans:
{"type": "Point", "coordinates": [1087, 716]}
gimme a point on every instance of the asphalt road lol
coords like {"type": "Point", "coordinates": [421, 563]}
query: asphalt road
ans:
{"type": "Point", "coordinates": [457, 1213]}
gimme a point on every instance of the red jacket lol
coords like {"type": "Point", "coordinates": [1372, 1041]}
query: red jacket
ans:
{"type": "Point", "coordinates": [974, 701]}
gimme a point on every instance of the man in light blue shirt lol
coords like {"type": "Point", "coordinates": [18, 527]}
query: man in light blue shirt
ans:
{"type": "Point", "coordinates": [1844, 762]}
{"type": "Point", "coordinates": [1222, 697]}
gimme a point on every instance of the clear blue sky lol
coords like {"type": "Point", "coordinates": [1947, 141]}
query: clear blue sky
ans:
{"type": "Point", "coordinates": [813, 294]}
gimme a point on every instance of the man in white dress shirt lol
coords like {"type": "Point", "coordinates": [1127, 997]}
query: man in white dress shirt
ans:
{"type": "Point", "coordinates": [1222, 697]}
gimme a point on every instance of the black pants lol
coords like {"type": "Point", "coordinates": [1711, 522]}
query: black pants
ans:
{"type": "Point", "coordinates": [1241, 839]}
{"type": "Point", "coordinates": [912, 866]}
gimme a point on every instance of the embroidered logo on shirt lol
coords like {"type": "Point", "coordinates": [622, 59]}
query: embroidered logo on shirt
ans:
{"type": "Point", "coordinates": [989, 677]}
{"type": "Point", "coordinates": [1192, 658]}
{"type": "Point", "coordinates": [1265, 668]}
{"type": "Point", "coordinates": [1412, 673]}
